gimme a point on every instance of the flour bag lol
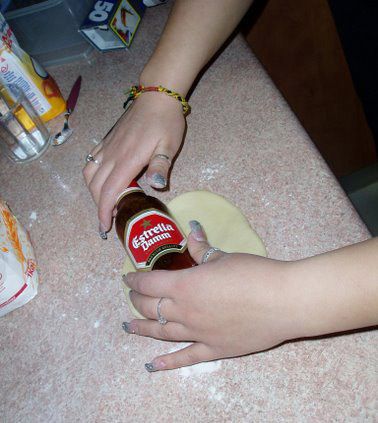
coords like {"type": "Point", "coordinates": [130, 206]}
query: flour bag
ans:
{"type": "Point", "coordinates": [18, 267]}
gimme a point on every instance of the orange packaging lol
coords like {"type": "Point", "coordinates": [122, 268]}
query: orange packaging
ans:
{"type": "Point", "coordinates": [17, 67]}
{"type": "Point", "coordinates": [18, 267]}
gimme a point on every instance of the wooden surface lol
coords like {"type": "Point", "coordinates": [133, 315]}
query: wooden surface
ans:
{"type": "Point", "coordinates": [298, 45]}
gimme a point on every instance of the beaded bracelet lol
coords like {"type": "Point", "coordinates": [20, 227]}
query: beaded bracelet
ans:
{"type": "Point", "coordinates": [136, 90]}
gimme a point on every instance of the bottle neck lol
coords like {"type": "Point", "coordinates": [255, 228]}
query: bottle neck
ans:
{"type": "Point", "coordinates": [133, 187]}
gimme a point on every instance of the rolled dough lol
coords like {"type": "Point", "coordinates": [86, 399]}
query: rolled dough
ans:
{"type": "Point", "coordinates": [224, 224]}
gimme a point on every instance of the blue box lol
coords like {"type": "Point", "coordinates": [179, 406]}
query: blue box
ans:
{"type": "Point", "coordinates": [111, 24]}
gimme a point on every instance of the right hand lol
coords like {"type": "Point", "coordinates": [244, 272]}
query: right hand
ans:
{"type": "Point", "coordinates": [154, 125]}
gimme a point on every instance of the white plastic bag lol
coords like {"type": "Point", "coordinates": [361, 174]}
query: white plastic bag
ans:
{"type": "Point", "coordinates": [18, 268]}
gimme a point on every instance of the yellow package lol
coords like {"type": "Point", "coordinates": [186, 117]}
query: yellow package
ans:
{"type": "Point", "coordinates": [17, 67]}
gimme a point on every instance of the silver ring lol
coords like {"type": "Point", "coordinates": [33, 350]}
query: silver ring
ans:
{"type": "Point", "coordinates": [163, 156]}
{"type": "Point", "coordinates": [161, 319]}
{"type": "Point", "coordinates": [209, 253]}
{"type": "Point", "coordinates": [90, 158]}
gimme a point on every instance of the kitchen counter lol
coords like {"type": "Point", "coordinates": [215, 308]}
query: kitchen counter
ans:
{"type": "Point", "coordinates": [64, 356]}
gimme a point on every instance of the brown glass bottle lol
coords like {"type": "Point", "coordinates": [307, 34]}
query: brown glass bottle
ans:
{"type": "Point", "coordinates": [131, 206]}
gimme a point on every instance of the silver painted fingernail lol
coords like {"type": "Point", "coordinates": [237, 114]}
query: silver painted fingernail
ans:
{"type": "Point", "coordinates": [197, 230]}
{"type": "Point", "coordinates": [101, 231]}
{"type": "Point", "coordinates": [150, 367]}
{"type": "Point", "coordinates": [126, 327]}
{"type": "Point", "coordinates": [159, 181]}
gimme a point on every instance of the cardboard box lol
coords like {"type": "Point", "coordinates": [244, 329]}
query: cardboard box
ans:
{"type": "Point", "coordinates": [111, 24]}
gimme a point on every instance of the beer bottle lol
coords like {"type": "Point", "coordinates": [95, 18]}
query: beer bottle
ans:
{"type": "Point", "coordinates": [151, 237]}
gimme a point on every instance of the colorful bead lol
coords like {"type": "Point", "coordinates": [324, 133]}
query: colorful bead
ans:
{"type": "Point", "coordinates": [136, 90]}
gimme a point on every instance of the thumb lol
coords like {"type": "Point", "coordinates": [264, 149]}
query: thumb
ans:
{"type": "Point", "coordinates": [157, 172]}
{"type": "Point", "coordinates": [197, 242]}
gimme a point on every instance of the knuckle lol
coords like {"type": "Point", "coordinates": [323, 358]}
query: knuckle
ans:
{"type": "Point", "coordinates": [191, 356]}
{"type": "Point", "coordinates": [140, 306]}
{"type": "Point", "coordinates": [85, 173]}
{"type": "Point", "coordinates": [137, 283]}
{"type": "Point", "coordinates": [164, 332]}
{"type": "Point", "coordinates": [134, 298]}
{"type": "Point", "coordinates": [92, 186]}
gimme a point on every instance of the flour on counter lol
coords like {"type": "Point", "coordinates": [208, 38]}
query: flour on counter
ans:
{"type": "Point", "coordinates": [214, 394]}
{"type": "Point", "coordinates": [195, 369]}
{"type": "Point", "coordinates": [211, 172]}
{"type": "Point", "coordinates": [201, 368]}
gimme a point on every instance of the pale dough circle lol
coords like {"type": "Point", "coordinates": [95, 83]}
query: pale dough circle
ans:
{"type": "Point", "coordinates": [224, 224]}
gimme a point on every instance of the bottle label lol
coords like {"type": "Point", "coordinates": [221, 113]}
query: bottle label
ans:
{"type": "Point", "coordinates": [133, 187]}
{"type": "Point", "coordinates": [151, 234]}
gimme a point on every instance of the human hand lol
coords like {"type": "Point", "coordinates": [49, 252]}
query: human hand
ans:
{"type": "Point", "coordinates": [152, 128]}
{"type": "Point", "coordinates": [233, 305]}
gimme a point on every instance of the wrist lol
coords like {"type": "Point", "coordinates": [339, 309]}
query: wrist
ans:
{"type": "Point", "coordinates": [313, 301]}
{"type": "Point", "coordinates": [335, 291]}
{"type": "Point", "coordinates": [173, 80]}
{"type": "Point", "coordinates": [138, 90]}
{"type": "Point", "coordinates": [159, 104]}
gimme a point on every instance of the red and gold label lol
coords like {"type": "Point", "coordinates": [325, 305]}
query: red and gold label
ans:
{"type": "Point", "coordinates": [151, 234]}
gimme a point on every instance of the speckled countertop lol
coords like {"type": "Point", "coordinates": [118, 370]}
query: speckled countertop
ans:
{"type": "Point", "coordinates": [64, 356]}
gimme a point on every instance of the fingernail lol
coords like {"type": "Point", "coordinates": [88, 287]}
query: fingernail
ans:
{"type": "Point", "coordinates": [197, 231]}
{"type": "Point", "coordinates": [127, 327]}
{"type": "Point", "coordinates": [149, 367]}
{"type": "Point", "coordinates": [154, 366]}
{"type": "Point", "coordinates": [127, 278]}
{"type": "Point", "coordinates": [102, 232]}
{"type": "Point", "coordinates": [159, 181]}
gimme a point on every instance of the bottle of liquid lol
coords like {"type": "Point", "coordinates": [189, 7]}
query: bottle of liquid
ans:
{"type": "Point", "coordinates": [151, 237]}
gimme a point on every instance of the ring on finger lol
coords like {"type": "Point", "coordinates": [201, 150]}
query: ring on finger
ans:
{"type": "Point", "coordinates": [90, 158]}
{"type": "Point", "coordinates": [162, 320]}
{"type": "Point", "coordinates": [163, 156]}
{"type": "Point", "coordinates": [209, 253]}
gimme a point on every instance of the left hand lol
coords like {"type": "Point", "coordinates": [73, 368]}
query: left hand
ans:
{"type": "Point", "coordinates": [233, 305]}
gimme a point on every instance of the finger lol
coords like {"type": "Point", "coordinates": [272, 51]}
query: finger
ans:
{"type": "Point", "coordinates": [194, 353]}
{"type": "Point", "coordinates": [158, 168]}
{"type": "Point", "coordinates": [172, 331]}
{"type": "Point", "coordinates": [98, 175]}
{"type": "Point", "coordinates": [147, 306]}
{"type": "Point", "coordinates": [92, 167]}
{"type": "Point", "coordinates": [158, 283]}
{"type": "Point", "coordinates": [97, 149]}
{"type": "Point", "coordinates": [198, 244]}
{"type": "Point", "coordinates": [116, 182]}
